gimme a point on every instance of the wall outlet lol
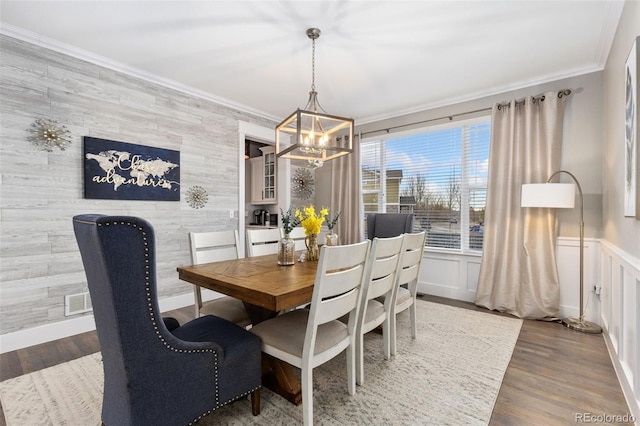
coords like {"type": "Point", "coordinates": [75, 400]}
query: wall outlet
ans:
{"type": "Point", "coordinates": [597, 289]}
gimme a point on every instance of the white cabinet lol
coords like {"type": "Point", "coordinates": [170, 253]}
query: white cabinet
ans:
{"type": "Point", "coordinates": [263, 177]}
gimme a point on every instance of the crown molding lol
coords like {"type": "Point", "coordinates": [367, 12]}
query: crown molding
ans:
{"type": "Point", "coordinates": [498, 90]}
{"type": "Point", "coordinates": [612, 14]}
{"type": "Point", "coordinates": [84, 55]}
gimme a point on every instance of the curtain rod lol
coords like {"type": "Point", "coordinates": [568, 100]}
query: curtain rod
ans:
{"type": "Point", "coordinates": [561, 93]}
{"type": "Point", "coordinates": [450, 117]}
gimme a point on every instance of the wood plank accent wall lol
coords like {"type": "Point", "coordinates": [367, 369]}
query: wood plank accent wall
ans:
{"type": "Point", "coordinates": [42, 191]}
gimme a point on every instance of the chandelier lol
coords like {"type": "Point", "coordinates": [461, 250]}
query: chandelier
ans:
{"type": "Point", "coordinates": [310, 133]}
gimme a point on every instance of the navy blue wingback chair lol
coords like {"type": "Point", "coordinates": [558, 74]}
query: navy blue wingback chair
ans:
{"type": "Point", "coordinates": [153, 376]}
{"type": "Point", "coordinates": [386, 225]}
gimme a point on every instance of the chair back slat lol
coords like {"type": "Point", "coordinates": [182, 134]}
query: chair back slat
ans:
{"type": "Point", "coordinates": [262, 241]}
{"type": "Point", "coordinates": [213, 246]}
{"type": "Point", "coordinates": [411, 257]}
{"type": "Point", "coordinates": [297, 235]}
{"type": "Point", "coordinates": [336, 307]}
{"type": "Point", "coordinates": [383, 261]}
{"type": "Point", "coordinates": [340, 281]}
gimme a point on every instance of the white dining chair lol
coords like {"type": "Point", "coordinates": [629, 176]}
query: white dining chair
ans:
{"type": "Point", "coordinates": [408, 271]}
{"type": "Point", "coordinates": [297, 235]}
{"type": "Point", "coordinates": [307, 338]}
{"type": "Point", "coordinates": [379, 282]}
{"type": "Point", "coordinates": [262, 241]}
{"type": "Point", "coordinates": [212, 247]}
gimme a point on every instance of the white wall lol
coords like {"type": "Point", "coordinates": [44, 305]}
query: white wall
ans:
{"type": "Point", "coordinates": [620, 231]}
{"type": "Point", "coordinates": [621, 243]}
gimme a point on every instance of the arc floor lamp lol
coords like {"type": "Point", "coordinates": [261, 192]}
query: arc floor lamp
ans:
{"type": "Point", "coordinates": [562, 195]}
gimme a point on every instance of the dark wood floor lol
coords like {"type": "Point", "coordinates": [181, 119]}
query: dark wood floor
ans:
{"type": "Point", "coordinates": [555, 373]}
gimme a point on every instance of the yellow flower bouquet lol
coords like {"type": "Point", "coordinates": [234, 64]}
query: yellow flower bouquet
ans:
{"type": "Point", "coordinates": [311, 222]}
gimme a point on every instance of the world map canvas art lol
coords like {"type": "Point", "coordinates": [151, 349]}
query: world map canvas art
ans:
{"type": "Point", "coordinates": [123, 171]}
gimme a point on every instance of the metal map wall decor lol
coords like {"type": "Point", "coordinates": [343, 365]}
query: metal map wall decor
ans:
{"type": "Point", "coordinates": [123, 171]}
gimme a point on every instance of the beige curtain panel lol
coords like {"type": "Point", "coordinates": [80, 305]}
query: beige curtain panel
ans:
{"type": "Point", "coordinates": [345, 196]}
{"type": "Point", "coordinates": [518, 274]}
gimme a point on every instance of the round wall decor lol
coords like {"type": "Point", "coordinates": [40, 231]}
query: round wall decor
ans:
{"type": "Point", "coordinates": [302, 183]}
{"type": "Point", "coordinates": [197, 197]}
{"type": "Point", "coordinates": [48, 133]}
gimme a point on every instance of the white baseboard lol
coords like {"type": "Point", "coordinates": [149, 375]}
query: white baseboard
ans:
{"type": "Point", "coordinates": [49, 332]}
{"type": "Point", "coordinates": [627, 390]}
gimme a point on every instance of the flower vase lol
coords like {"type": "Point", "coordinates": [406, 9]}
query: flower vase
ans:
{"type": "Point", "coordinates": [313, 252]}
{"type": "Point", "coordinates": [331, 239]}
{"type": "Point", "coordinates": [286, 251]}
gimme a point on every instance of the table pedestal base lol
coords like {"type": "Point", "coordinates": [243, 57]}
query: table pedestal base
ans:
{"type": "Point", "coordinates": [279, 377]}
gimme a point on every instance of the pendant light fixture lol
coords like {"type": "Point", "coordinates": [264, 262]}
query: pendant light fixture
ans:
{"type": "Point", "coordinates": [310, 133]}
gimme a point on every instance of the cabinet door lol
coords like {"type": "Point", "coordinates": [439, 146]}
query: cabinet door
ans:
{"type": "Point", "coordinates": [257, 180]}
{"type": "Point", "coordinates": [269, 193]}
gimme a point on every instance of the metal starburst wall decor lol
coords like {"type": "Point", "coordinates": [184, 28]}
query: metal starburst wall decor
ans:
{"type": "Point", "coordinates": [48, 133]}
{"type": "Point", "coordinates": [302, 184]}
{"type": "Point", "coordinates": [197, 197]}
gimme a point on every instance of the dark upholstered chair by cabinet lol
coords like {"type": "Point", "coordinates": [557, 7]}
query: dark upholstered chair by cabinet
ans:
{"type": "Point", "coordinates": [153, 376]}
{"type": "Point", "coordinates": [386, 225]}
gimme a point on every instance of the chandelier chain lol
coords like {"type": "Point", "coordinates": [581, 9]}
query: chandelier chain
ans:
{"type": "Point", "coordinates": [313, 64]}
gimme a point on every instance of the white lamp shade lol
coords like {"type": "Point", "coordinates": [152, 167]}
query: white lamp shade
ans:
{"type": "Point", "coordinates": [548, 195]}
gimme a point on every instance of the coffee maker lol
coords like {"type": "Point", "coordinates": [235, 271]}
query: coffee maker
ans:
{"type": "Point", "coordinates": [260, 217]}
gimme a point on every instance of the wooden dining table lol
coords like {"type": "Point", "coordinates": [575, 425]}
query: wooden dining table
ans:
{"type": "Point", "coordinates": [266, 288]}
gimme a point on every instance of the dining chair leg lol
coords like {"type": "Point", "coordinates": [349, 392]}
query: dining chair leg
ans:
{"type": "Point", "coordinates": [307, 395]}
{"type": "Point", "coordinates": [255, 402]}
{"type": "Point", "coordinates": [392, 335]}
{"type": "Point", "coordinates": [359, 358]}
{"type": "Point", "coordinates": [351, 367]}
{"type": "Point", "coordinates": [412, 313]}
{"type": "Point", "coordinates": [386, 337]}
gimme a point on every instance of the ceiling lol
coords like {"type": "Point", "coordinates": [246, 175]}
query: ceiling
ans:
{"type": "Point", "coordinates": [374, 59]}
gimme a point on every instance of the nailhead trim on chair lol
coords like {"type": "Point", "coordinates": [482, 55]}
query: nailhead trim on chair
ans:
{"type": "Point", "coordinates": [157, 330]}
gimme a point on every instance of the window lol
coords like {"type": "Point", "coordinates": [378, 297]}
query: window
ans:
{"type": "Point", "coordinates": [439, 174]}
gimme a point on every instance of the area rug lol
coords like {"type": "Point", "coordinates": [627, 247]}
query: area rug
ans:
{"type": "Point", "coordinates": [450, 375]}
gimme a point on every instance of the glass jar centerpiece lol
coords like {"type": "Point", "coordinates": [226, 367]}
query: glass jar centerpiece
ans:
{"type": "Point", "coordinates": [331, 238]}
{"type": "Point", "coordinates": [312, 223]}
{"type": "Point", "coordinates": [286, 245]}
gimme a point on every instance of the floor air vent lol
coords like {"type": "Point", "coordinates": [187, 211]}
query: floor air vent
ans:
{"type": "Point", "coordinates": [77, 304]}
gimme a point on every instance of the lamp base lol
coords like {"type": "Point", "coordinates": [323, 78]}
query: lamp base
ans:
{"type": "Point", "coordinates": [582, 325]}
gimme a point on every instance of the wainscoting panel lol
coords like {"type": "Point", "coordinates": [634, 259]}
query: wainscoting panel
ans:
{"type": "Point", "coordinates": [568, 261]}
{"type": "Point", "coordinates": [473, 272]}
{"type": "Point", "coordinates": [455, 275]}
{"type": "Point", "coordinates": [620, 317]}
{"type": "Point", "coordinates": [451, 275]}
